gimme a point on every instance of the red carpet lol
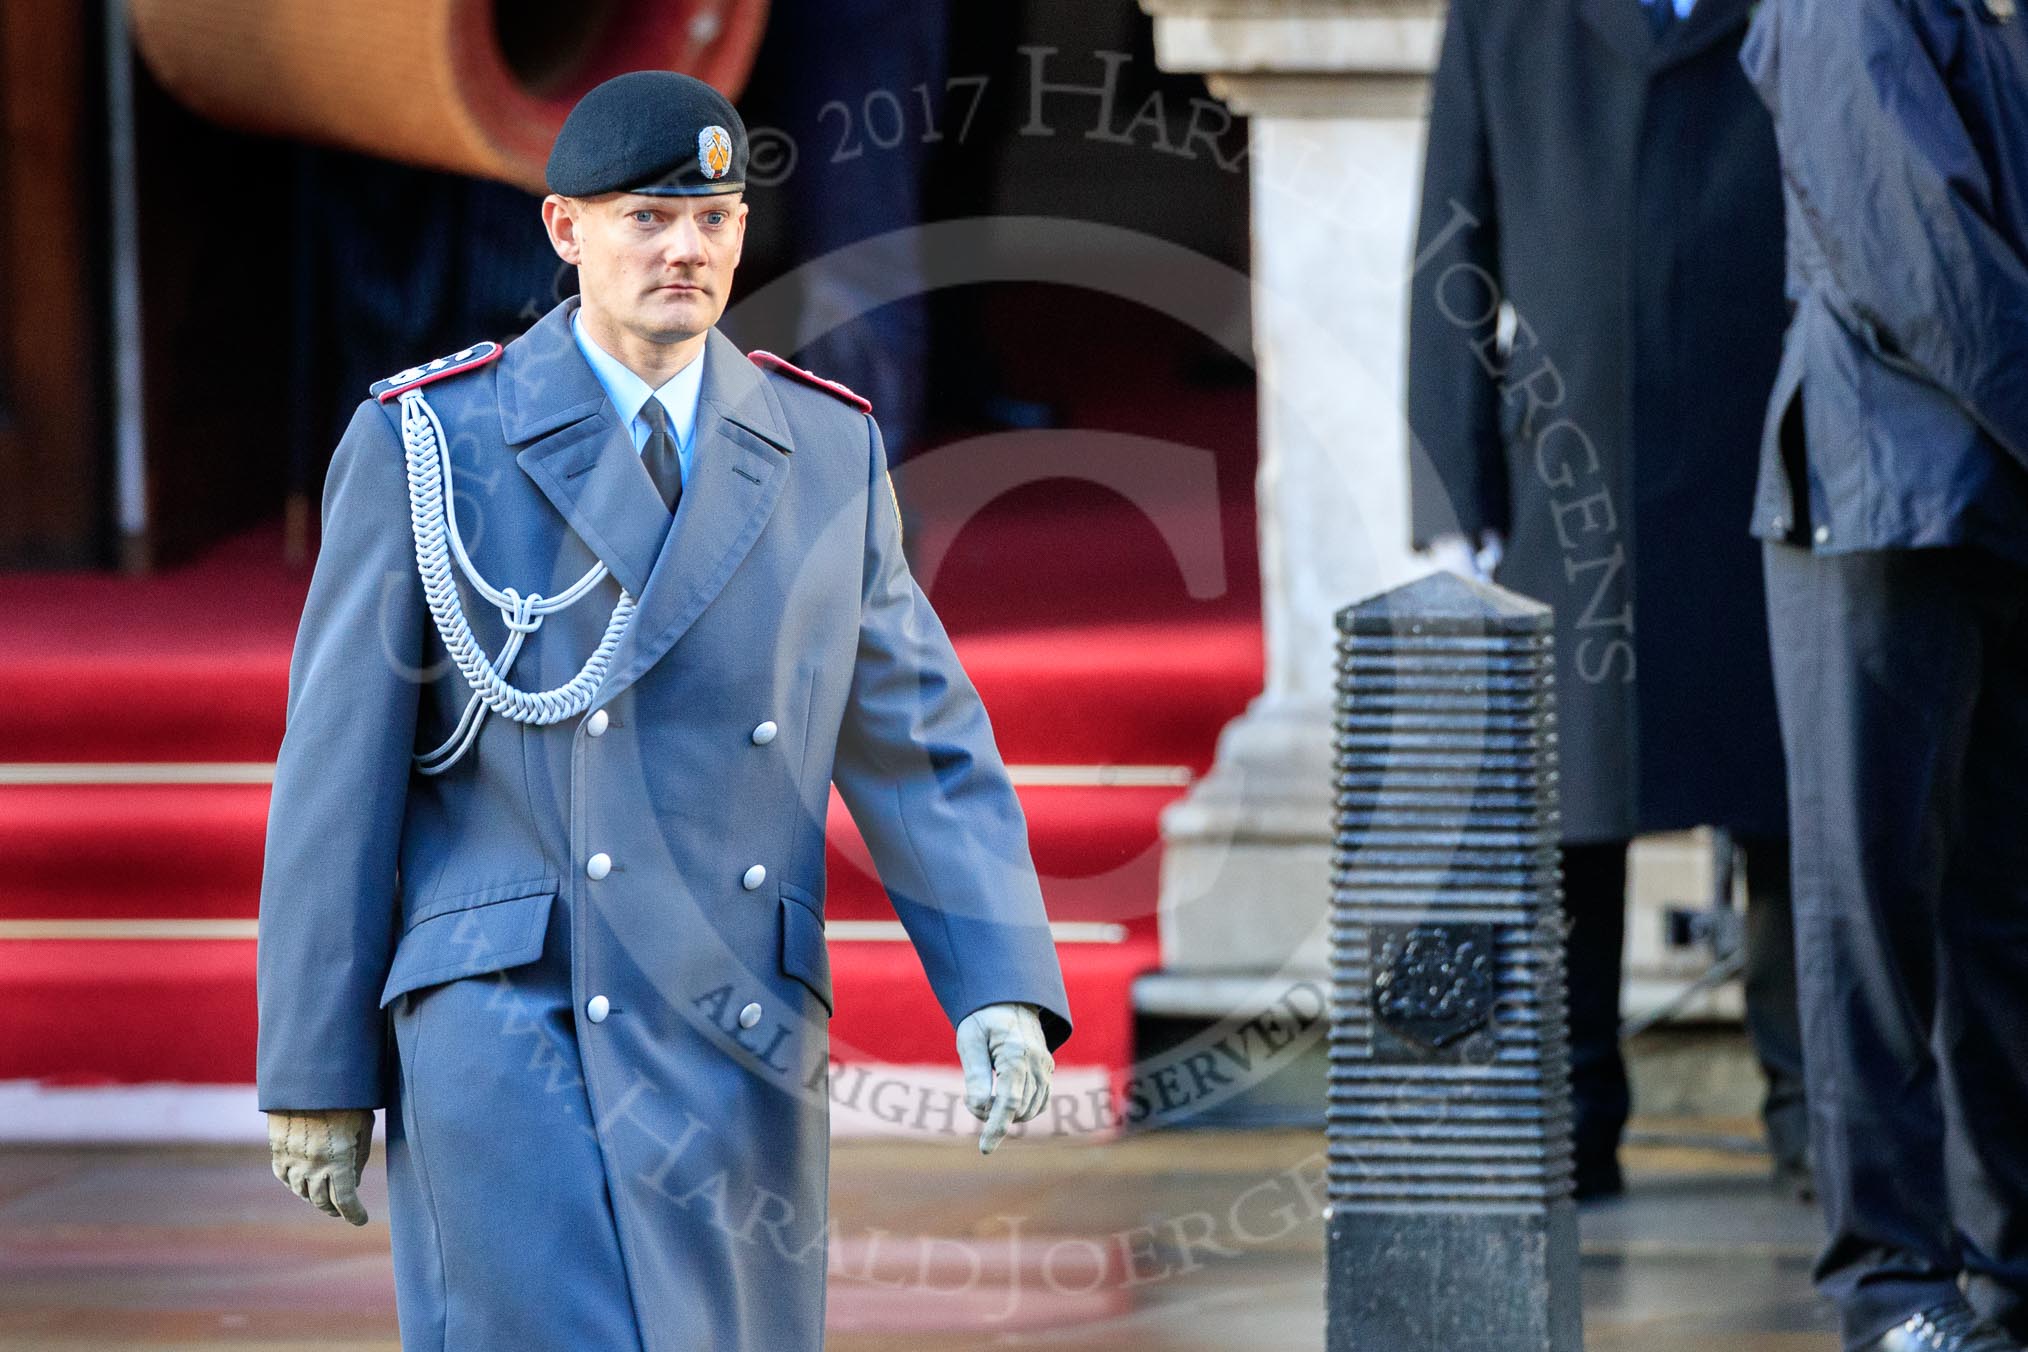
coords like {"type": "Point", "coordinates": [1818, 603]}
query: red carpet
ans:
{"type": "Point", "coordinates": [1095, 639]}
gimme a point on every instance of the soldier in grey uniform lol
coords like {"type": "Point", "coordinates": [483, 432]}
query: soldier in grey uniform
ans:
{"type": "Point", "coordinates": [1893, 507]}
{"type": "Point", "coordinates": [598, 620]}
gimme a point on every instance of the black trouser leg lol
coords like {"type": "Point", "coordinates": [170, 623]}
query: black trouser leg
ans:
{"type": "Point", "coordinates": [1983, 1007]}
{"type": "Point", "coordinates": [1595, 903]}
{"type": "Point", "coordinates": [1900, 676]}
{"type": "Point", "coordinates": [1772, 1019]}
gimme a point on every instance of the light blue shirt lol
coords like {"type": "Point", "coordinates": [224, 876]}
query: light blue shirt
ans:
{"type": "Point", "coordinates": [1682, 7]}
{"type": "Point", "coordinates": [630, 394]}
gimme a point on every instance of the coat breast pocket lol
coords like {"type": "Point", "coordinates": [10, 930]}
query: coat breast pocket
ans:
{"type": "Point", "coordinates": [471, 933]}
{"type": "Point", "coordinates": [804, 954]}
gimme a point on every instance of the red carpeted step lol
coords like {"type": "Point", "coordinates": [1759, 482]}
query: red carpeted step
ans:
{"type": "Point", "coordinates": [1136, 508]}
{"type": "Point", "coordinates": [887, 1013]}
{"type": "Point", "coordinates": [120, 1011]}
{"type": "Point", "coordinates": [1060, 564]}
{"type": "Point", "coordinates": [131, 851]}
{"type": "Point", "coordinates": [110, 1011]}
{"type": "Point", "coordinates": [96, 1009]}
{"type": "Point", "coordinates": [1097, 851]}
{"type": "Point", "coordinates": [193, 851]}
{"type": "Point", "coordinates": [189, 664]}
{"type": "Point", "coordinates": [144, 705]}
{"type": "Point", "coordinates": [1105, 694]}
{"type": "Point", "coordinates": [1115, 694]}
{"type": "Point", "coordinates": [193, 665]}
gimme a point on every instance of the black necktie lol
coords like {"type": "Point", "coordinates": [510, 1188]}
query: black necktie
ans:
{"type": "Point", "coordinates": [659, 455]}
{"type": "Point", "coordinates": [1662, 14]}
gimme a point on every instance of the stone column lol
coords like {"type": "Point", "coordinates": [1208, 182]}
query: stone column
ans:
{"type": "Point", "coordinates": [1336, 93]}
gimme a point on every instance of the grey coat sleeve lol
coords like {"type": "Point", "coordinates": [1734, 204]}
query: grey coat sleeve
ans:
{"type": "Point", "coordinates": [1893, 190]}
{"type": "Point", "coordinates": [1457, 465]}
{"type": "Point", "coordinates": [328, 889]}
{"type": "Point", "coordinates": [918, 769]}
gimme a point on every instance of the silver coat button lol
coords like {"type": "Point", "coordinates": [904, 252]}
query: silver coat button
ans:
{"type": "Point", "coordinates": [597, 1008]}
{"type": "Point", "coordinates": [598, 866]}
{"type": "Point", "coordinates": [1823, 534]}
{"type": "Point", "coordinates": [595, 726]}
{"type": "Point", "coordinates": [754, 877]}
{"type": "Point", "coordinates": [749, 1016]}
{"type": "Point", "coordinates": [765, 733]}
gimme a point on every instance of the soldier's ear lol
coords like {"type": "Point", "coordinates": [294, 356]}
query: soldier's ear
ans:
{"type": "Point", "coordinates": [560, 217]}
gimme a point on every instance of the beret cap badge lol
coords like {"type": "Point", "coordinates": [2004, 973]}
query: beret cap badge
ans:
{"type": "Point", "coordinates": [657, 132]}
{"type": "Point", "coordinates": [714, 151]}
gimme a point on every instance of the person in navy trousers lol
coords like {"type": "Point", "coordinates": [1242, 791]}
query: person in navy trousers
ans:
{"type": "Point", "coordinates": [598, 620]}
{"type": "Point", "coordinates": [1893, 515]}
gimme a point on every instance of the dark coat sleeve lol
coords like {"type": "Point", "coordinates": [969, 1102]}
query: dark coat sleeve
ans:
{"type": "Point", "coordinates": [1457, 465]}
{"type": "Point", "coordinates": [328, 887]}
{"type": "Point", "coordinates": [919, 770]}
{"type": "Point", "coordinates": [1893, 190]}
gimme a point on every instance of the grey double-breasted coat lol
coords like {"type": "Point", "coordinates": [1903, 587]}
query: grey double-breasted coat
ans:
{"type": "Point", "coordinates": [584, 969]}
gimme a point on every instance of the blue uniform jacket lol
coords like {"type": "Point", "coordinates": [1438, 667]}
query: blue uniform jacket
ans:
{"type": "Point", "coordinates": [1903, 131]}
{"type": "Point", "coordinates": [779, 595]}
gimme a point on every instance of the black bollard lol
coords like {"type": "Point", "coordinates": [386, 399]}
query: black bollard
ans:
{"type": "Point", "coordinates": [1451, 1226]}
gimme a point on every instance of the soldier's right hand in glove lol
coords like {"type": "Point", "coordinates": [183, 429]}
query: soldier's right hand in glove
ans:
{"type": "Point", "coordinates": [1007, 1067]}
{"type": "Point", "coordinates": [320, 1155]}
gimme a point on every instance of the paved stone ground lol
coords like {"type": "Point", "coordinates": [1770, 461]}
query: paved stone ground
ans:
{"type": "Point", "coordinates": [1187, 1241]}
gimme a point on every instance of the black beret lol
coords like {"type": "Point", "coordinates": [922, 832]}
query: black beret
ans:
{"type": "Point", "coordinates": [650, 131]}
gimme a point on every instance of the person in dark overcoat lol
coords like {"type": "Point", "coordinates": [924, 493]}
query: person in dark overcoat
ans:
{"type": "Point", "coordinates": [1893, 505]}
{"type": "Point", "coordinates": [1595, 320]}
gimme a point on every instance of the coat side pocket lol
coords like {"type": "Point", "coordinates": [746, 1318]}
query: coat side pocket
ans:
{"type": "Point", "coordinates": [804, 954]}
{"type": "Point", "coordinates": [487, 937]}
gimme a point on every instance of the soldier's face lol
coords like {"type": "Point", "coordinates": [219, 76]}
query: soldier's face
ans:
{"type": "Point", "coordinates": [658, 267]}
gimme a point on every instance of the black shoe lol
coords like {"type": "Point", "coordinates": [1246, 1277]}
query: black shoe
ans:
{"type": "Point", "coordinates": [1597, 1179]}
{"type": "Point", "coordinates": [1946, 1328]}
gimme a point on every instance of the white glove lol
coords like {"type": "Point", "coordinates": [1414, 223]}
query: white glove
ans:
{"type": "Point", "coordinates": [320, 1155]}
{"type": "Point", "coordinates": [1007, 1067]}
{"type": "Point", "coordinates": [1454, 554]}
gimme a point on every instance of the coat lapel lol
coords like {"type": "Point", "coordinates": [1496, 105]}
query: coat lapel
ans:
{"type": "Point", "coordinates": [577, 452]}
{"type": "Point", "coordinates": [738, 466]}
{"type": "Point", "coordinates": [1623, 26]}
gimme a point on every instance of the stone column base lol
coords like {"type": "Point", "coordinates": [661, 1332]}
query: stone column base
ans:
{"type": "Point", "coordinates": [1246, 859]}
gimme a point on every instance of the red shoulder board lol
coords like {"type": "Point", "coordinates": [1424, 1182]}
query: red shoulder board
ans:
{"type": "Point", "coordinates": [470, 359]}
{"type": "Point", "coordinates": [768, 361]}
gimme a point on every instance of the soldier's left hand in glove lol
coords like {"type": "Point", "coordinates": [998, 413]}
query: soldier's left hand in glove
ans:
{"type": "Point", "coordinates": [321, 1155]}
{"type": "Point", "coordinates": [1007, 1067]}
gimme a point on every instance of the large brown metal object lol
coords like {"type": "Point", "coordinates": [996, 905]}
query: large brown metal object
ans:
{"type": "Point", "coordinates": [473, 86]}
